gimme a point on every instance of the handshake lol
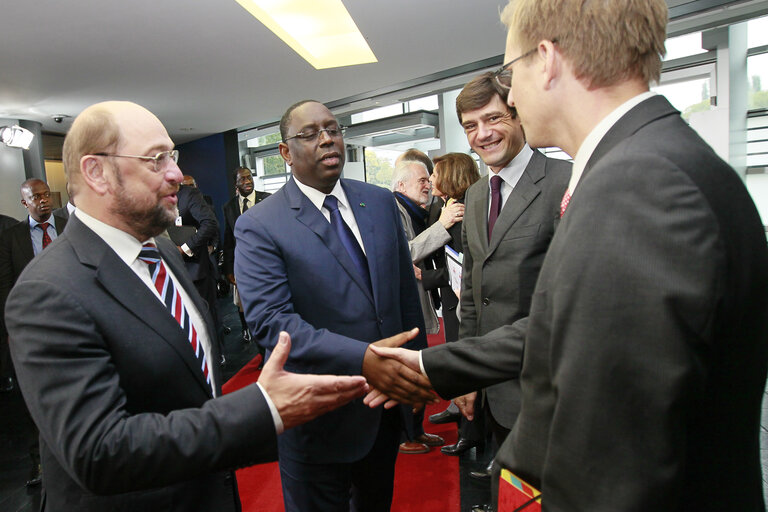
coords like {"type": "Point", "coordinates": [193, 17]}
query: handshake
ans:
{"type": "Point", "coordinates": [391, 375]}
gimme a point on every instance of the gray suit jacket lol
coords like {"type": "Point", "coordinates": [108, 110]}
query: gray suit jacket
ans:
{"type": "Point", "coordinates": [647, 341]}
{"type": "Point", "coordinates": [126, 419]}
{"type": "Point", "coordinates": [498, 278]}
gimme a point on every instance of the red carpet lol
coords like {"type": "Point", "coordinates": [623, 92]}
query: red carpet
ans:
{"type": "Point", "coordinates": [426, 483]}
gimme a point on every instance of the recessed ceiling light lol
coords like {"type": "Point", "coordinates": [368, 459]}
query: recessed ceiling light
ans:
{"type": "Point", "coordinates": [321, 31]}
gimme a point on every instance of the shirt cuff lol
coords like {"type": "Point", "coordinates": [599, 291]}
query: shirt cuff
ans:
{"type": "Point", "coordinates": [279, 428]}
{"type": "Point", "coordinates": [421, 365]}
{"type": "Point", "coordinates": [187, 250]}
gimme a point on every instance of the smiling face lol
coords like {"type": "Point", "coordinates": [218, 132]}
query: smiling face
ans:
{"type": "Point", "coordinates": [315, 163]}
{"type": "Point", "coordinates": [493, 134]}
{"type": "Point", "coordinates": [244, 182]}
{"type": "Point", "coordinates": [416, 186]}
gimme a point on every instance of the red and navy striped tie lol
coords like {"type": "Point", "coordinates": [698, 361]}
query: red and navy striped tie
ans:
{"type": "Point", "coordinates": [172, 299]}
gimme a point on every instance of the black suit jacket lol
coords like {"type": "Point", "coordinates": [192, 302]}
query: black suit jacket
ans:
{"type": "Point", "coordinates": [647, 341]}
{"type": "Point", "coordinates": [126, 419]}
{"type": "Point", "coordinates": [6, 222]}
{"type": "Point", "coordinates": [195, 211]}
{"type": "Point", "coordinates": [15, 253]}
{"type": "Point", "coordinates": [231, 213]}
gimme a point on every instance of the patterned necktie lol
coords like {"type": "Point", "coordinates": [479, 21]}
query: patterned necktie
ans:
{"type": "Point", "coordinates": [46, 236]}
{"type": "Point", "coordinates": [348, 238]}
{"type": "Point", "coordinates": [172, 300]}
{"type": "Point", "coordinates": [495, 204]}
{"type": "Point", "coordinates": [564, 203]}
{"type": "Point", "coordinates": [245, 204]}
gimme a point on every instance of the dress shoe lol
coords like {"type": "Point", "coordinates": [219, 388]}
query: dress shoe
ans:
{"type": "Point", "coordinates": [35, 476]}
{"type": "Point", "coordinates": [430, 440]}
{"type": "Point", "coordinates": [6, 384]}
{"type": "Point", "coordinates": [481, 508]}
{"type": "Point", "coordinates": [445, 417]}
{"type": "Point", "coordinates": [413, 448]}
{"type": "Point", "coordinates": [483, 474]}
{"type": "Point", "coordinates": [460, 447]}
{"type": "Point", "coordinates": [246, 336]}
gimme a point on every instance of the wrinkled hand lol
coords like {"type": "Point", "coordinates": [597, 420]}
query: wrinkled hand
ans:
{"type": "Point", "coordinates": [299, 397]}
{"type": "Point", "coordinates": [417, 272]}
{"type": "Point", "coordinates": [451, 214]}
{"type": "Point", "coordinates": [466, 404]}
{"type": "Point", "coordinates": [394, 381]}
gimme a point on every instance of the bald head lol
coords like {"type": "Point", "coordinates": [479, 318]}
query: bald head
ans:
{"type": "Point", "coordinates": [112, 158]}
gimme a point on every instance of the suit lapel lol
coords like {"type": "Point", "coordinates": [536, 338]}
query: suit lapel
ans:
{"type": "Point", "coordinates": [131, 292]}
{"type": "Point", "coordinates": [24, 240]}
{"type": "Point", "coordinates": [518, 201]}
{"type": "Point", "coordinates": [479, 204]}
{"type": "Point", "coordinates": [311, 217]}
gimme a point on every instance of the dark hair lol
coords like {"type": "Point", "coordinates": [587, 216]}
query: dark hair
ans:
{"type": "Point", "coordinates": [478, 93]}
{"type": "Point", "coordinates": [456, 172]}
{"type": "Point", "coordinates": [286, 119]}
{"type": "Point", "coordinates": [237, 170]}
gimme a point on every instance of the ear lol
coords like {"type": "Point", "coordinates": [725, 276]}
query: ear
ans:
{"type": "Point", "coordinates": [285, 152]}
{"type": "Point", "coordinates": [551, 61]}
{"type": "Point", "coordinates": [93, 172]}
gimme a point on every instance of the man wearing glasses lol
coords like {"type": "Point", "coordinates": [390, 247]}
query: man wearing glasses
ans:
{"type": "Point", "coordinates": [646, 350]}
{"type": "Point", "coordinates": [326, 259]}
{"type": "Point", "coordinates": [510, 220]}
{"type": "Point", "coordinates": [114, 348]}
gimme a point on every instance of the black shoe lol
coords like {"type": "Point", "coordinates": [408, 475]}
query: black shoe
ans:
{"type": "Point", "coordinates": [445, 417]}
{"type": "Point", "coordinates": [35, 476]}
{"type": "Point", "coordinates": [484, 475]}
{"type": "Point", "coordinates": [481, 508]}
{"type": "Point", "coordinates": [6, 384]}
{"type": "Point", "coordinates": [246, 336]}
{"type": "Point", "coordinates": [460, 447]}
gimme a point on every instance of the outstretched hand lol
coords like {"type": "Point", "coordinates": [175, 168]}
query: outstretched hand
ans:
{"type": "Point", "coordinates": [303, 397]}
{"type": "Point", "coordinates": [393, 380]}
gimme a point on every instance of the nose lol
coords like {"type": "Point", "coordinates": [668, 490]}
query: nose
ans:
{"type": "Point", "coordinates": [510, 99]}
{"type": "Point", "coordinates": [483, 130]}
{"type": "Point", "coordinates": [173, 173]}
{"type": "Point", "coordinates": [323, 137]}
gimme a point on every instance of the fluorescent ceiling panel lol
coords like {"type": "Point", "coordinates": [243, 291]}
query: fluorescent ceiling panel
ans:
{"type": "Point", "coordinates": [321, 31]}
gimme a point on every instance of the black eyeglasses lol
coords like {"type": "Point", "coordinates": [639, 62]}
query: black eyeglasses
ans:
{"type": "Point", "coordinates": [311, 134]}
{"type": "Point", "coordinates": [503, 75]}
{"type": "Point", "coordinates": [161, 160]}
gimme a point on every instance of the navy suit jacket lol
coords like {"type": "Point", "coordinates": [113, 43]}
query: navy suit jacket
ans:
{"type": "Point", "coordinates": [294, 275]}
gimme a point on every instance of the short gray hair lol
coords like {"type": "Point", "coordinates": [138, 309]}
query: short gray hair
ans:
{"type": "Point", "coordinates": [403, 172]}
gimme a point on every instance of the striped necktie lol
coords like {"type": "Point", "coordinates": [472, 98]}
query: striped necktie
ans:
{"type": "Point", "coordinates": [172, 300]}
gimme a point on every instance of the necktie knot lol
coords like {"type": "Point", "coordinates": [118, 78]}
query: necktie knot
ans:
{"type": "Point", "coordinates": [44, 226]}
{"type": "Point", "coordinates": [331, 203]}
{"type": "Point", "coordinates": [496, 183]}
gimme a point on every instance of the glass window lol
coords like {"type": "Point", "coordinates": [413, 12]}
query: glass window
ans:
{"type": "Point", "coordinates": [757, 71]}
{"type": "Point", "coordinates": [426, 103]}
{"type": "Point", "coordinates": [687, 96]}
{"type": "Point", "coordinates": [273, 165]}
{"type": "Point", "coordinates": [683, 46]}
{"type": "Point", "coordinates": [757, 32]}
{"type": "Point", "coordinates": [380, 166]}
{"type": "Point", "coordinates": [377, 113]}
{"type": "Point", "coordinates": [264, 140]}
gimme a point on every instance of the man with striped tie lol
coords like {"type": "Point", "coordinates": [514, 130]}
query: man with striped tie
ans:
{"type": "Point", "coordinates": [114, 348]}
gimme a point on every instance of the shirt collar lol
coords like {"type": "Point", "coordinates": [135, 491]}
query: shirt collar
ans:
{"type": "Point", "coordinates": [125, 246]}
{"type": "Point", "coordinates": [596, 135]}
{"type": "Point", "coordinates": [318, 197]}
{"type": "Point", "coordinates": [514, 169]}
{"type": "Point", "coordinates": [33, 223]}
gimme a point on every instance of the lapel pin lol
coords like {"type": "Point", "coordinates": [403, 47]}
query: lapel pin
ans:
{"type": "Point", "coordinates": [362, 204]}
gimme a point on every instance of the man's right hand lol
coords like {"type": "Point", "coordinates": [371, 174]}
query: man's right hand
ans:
{"type": "Point", "coordinates": [303, 397]}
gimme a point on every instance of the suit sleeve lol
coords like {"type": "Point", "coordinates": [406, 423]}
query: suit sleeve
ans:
{"type": "Point", "coordinates": [468, 314]}
{"type": "Point", "coordinates": [6, 275]}
{"type": "Point", "coordinates": [66, 371]}
{"type": "Point", "coordinates": [208, 227]}
{"type": "Point", "coordinates": [428, 241]}
{"type": "Point", "coordinates": [261, 270]}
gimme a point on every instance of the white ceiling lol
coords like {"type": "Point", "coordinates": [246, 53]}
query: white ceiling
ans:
{"type": "Point", "coordinates": [206, 66]}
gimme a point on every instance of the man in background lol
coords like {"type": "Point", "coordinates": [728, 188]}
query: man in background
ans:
{"type": "Point", "coordinates": [18, 245]}
{"type": "Point", "coordinates": [245, 197]}
{"type": "Point", "coordinates": [113, 346]}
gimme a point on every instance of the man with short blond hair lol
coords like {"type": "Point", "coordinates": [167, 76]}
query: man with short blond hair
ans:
{"type": "Point", "coordinates": [646, 350]}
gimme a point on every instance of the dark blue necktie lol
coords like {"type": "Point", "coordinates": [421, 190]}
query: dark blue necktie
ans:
{"type": "Point", "coordinates": [348, 239]}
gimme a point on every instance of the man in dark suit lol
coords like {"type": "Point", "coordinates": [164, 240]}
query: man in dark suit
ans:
{"type": "Point", "coordinates": [6, 374]}
{"type": "Point", "coordinates": [18, 245]}
{"type": "Point", "coordinates": [326, 259]}
{"type": "Point", "coordinates": [505, 235]}
{"type": "Point", "coordinates": [113, 346]}
{"type": "Point", "coordinates": [245, 197]}
{"type": "Point", "coordinates": [646, 350]}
